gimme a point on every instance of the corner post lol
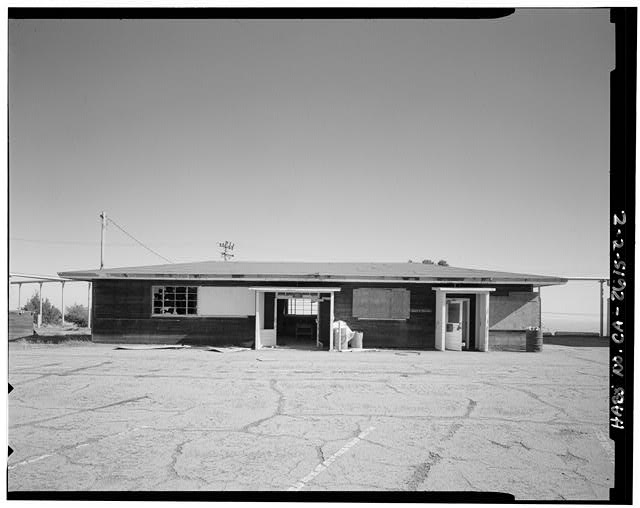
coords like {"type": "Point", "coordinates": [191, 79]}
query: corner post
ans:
{"type": "Point", "coordinates": [62, 302]}
{"type": "Point", "coordinates": [257, 337]}
{"type": "Point", "coordinates": [89, 310]}
{"type": "Point", "coordinates": [540, 307]}
{"type": "Point", "coordinates": [331, 319]}
{"type": "Point", "coordinates": [441, 300]}
{"type": "Point", "coordinates": [318, 321]}
{"type": "Point", "coordinates": [483, 325]}
{"type": "Point", "coordinates": [275, 319]}
{"type": "Point", "coordinates": [601, 308]}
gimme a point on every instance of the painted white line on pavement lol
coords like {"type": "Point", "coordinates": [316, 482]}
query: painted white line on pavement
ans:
{"type": "Point", "coordinates": [29, 461]}
{"type": "Point", "coordinates": [36, 459]}
{"type": "Point", "coordinates": [324, 465]}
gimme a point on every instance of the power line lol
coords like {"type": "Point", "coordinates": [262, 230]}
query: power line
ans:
{"type": "Point", "coordinates": [136, 240]}
{"type": "Point", "coordinates": [66, 242]}
{"type": "Point", "coordinates": [93, 244]}
{"type": "Point", "coordinates": [61, 242]}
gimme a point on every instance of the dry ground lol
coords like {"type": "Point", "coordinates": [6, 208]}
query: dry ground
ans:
{"type": "Point", "coordinates": [89, 417]}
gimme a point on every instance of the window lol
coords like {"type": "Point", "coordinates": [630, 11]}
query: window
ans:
{"type": "Point", "coordinates": [302, 307]}
{"type": "Point", "coordinates": [378, 303]}
{"type": "Point", "coordinates": [175, 300]}
{"type": "Point", "coordinates": [453, 312]}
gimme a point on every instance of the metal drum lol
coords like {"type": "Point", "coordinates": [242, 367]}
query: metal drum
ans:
{"type": "Point", "coordinates": [534, 341]}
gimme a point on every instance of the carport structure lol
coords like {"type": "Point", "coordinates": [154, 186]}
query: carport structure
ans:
{"type": "Point", "coordinates": [27, 278]}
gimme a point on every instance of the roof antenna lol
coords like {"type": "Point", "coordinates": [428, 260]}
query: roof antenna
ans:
{"type": "Point", "coordinates": [226, 247]}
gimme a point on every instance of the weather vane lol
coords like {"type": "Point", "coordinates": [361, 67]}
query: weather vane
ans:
{"type": "Point", "coordinates": [226, 247]}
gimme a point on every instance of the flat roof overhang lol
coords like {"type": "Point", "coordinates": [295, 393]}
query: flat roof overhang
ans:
{"type": "Point", "coordinates": [26, 278]}
{"type": "Point", "coordinates": [283, 289]}
{"type": "Point", "coordinates": [92, 276]}
{"type": "Point", "coordinates": [465, 290]}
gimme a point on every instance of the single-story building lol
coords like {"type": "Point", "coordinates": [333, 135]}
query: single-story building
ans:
{"type": "Point", "coordinates": [261, 304]}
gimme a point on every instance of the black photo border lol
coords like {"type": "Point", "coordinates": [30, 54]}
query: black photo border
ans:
{"type": "Point", "coordinates": [622, 243]}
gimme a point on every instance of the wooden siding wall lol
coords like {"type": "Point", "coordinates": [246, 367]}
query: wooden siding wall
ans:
{"type": "Point", "coordinates": [122, 314]}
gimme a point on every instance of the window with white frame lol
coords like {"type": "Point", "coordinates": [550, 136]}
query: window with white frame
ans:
{"type": "Point", "coordinates": [302, 307]}
{"type": "Point", "coordinates": [175, 300]}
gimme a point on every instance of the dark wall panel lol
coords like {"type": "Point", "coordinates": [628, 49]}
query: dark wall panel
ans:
{"type": "Point", "coordinates": [122, 313]}
{"type": "Point", "coordinates": [269, 303]}
{"type": "Point", "coordinates": [204, 331]}
{"type": "Point", "coordinates": [417, 332]}
{"type": "Point", "coordinates": [122, 299]}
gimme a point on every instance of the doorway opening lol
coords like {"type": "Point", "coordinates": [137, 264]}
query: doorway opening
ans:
{"type": "Point", "coordinates": [461, 324]}
{"type": "Point", "coordinates": [294, 317]}
{"type": "Point", "coordinates": [462, 310]}
{"type": "Point", "coordinates": [303, 320]}
{"type": "Point", "coordinates": [297, 325]}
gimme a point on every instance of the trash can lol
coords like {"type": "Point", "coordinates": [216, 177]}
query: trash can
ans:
{"type": "Point", "coordinates": [340, 341]}
{"type": "Point", "coordinates": [336, 339]}
{"type": "Point", "coordinates": [356, 342]}
{"type": "Point", "coordinates": [534, 340]}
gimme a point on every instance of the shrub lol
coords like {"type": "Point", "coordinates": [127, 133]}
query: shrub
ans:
{"type": "Point", "coordinates": [50, 313]}
{"type": "Point", "coordinates": [77, 314]}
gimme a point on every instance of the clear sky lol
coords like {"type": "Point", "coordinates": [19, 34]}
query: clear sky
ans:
{"type": "Point", "coordinates": [482, 142]}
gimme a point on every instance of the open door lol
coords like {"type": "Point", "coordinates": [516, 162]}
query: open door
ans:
{"type": "Point", "coordinates": [454, 325]}
{"type": "Point", "coordinates": [457, 329]}
{"type": "Point", "coordinates": [466, 314]}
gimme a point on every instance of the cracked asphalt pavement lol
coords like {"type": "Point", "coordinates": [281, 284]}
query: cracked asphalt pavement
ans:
{"type": "Point", "coordinates": [89, 417]}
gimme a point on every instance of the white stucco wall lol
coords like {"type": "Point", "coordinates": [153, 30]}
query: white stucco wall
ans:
{"type": "Point", "coordinates": [225, 301]}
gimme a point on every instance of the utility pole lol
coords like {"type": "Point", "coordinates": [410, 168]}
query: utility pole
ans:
{"type": "Point", "coordinates": [103, 230]}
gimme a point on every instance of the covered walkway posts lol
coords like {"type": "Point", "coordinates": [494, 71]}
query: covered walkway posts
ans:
{"type": "Point", "coordinates": [43, 279]}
